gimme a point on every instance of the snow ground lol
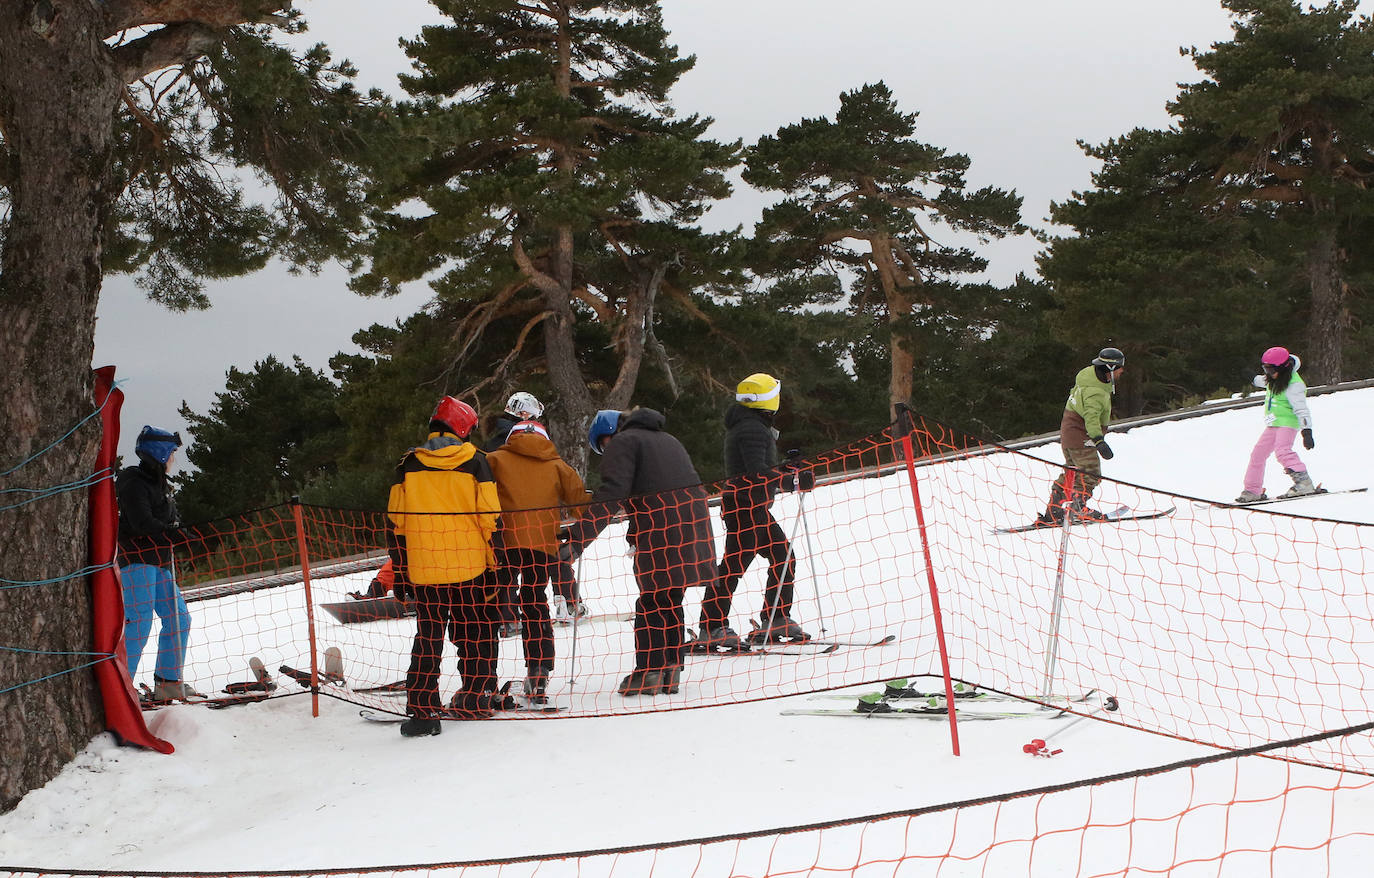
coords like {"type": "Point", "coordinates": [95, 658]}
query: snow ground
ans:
{"type": "Point", "coordinates": [268, 787]}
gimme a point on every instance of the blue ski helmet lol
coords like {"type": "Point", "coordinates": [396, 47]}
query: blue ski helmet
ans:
{"type": "Point", "coordinates": [156, 445]}
{"type": "Point", "coordinates": [606, 422]}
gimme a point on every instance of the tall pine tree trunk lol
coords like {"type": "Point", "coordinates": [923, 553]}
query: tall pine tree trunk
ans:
{"type": "Point", "coordinates": [56, 92]}
{"type": "Point", "coordinates": [899, 306]}
{"type": "Point", "coordinates": [1326, 326]}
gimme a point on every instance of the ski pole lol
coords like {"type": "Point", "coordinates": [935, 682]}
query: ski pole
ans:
{"type": "Point", "coordinates": [572, 661]}
{"type": "Point", "coordinates": [789, 560]}
{"type": "Point", "coordinates": [810, 553]}
{"type": "Point", "coordinates": [1041, 747]}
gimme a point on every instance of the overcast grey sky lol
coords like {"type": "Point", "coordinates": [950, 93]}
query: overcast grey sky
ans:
{"type": "Point", "coordinates": [1012, 84]}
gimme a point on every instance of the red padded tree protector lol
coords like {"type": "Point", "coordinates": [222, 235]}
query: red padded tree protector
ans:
{"type": "Point", "coordinates": [123, 716]}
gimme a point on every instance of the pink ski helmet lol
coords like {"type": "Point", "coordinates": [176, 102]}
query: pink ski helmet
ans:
{"type": "Point", "coordinates": [1275, 356]}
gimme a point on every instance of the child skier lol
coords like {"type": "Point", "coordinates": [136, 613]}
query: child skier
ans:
{"type": "Point", "coordinates": [1285, 414]}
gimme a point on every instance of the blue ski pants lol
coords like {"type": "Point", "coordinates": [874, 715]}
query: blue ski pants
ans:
{"type": "Point", "coordinates": [150, 591]}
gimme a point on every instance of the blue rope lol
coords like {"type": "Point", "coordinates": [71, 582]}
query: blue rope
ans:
{"type": "Point", "coordinates": [66, 436]}
{"type": "Point", "coordinates": [45, 493]}
{"type": "Point", "coordinates": [59, 673]}
{"type": "Point", "coordinates": [30, 583]}
{"type": "Point", "coordinates": [94, 477]}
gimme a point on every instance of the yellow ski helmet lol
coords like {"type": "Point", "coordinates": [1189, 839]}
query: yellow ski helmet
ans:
{"type": "Point", "coordinates": [759, 391]}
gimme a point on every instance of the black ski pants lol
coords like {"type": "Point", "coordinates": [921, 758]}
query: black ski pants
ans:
{"type": "Point", "coordinates": [469, 611]}
{"type": "Point", "coordinates": [749, 533]}
{"type": "Point", "coordinates": [659, 616]}
{"type": "Point", "coordinates": [531, 570]}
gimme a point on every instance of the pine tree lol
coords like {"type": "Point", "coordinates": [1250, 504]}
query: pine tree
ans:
{"type": "Point", "coordinates": [1183, 290]}
{"type": "Point", "coordinates": [110, 116]}
{"type": "Point", "coordinates": [270, 433]}
{"type": "Point", "coordinates": [1284, 128]}
{"type": "Point", "coordinates": [541, 137]}
{"type": "Point", "coordinates": [863, 179]}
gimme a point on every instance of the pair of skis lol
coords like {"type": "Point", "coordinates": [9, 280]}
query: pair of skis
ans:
{"type": "Point", "coordinates": [1119, 514]}
{"type": "Point", "coordinates": [523, 707]}
{"type": "Point", "coordinates": [811, 646]}
{"type": "Point", "coordinates": [1268, 500]}
{"type": "Point", "coordinates": [260, 688]}
{"type": "Point", "coordinates": [899, 700]}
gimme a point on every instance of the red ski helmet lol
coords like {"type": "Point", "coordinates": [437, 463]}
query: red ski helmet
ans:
{"type": "Point", "coordinates": [453, 416]}
{"type": "Point", "coordinates": [1275, 356]}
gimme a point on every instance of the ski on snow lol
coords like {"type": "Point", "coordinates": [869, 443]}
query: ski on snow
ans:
{"type": "Point", "coordinates": [1317, 493]}
{"type": "Point", "coordinates": [260, 688]}
{"type": "Point", "coordinates": [901, 690]}
{"type": "Point", "coordinates": [816, 646]}
{"type": "Point", "coordinates": [522, 712]}
{"type": "Point", "coordinates": [1121, 513]}
{"type": "Point", "coordinates": [876, 706]}
{"type": "Point", "coordinates": [826, 646]}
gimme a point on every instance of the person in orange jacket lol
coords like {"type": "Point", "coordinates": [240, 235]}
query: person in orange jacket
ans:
{"type": "Point", "coordinates": [441, 514]}
{"type": "Point", "coordinates": [381, 584]}
{"type": "Point", "coordinates": [532, 482]}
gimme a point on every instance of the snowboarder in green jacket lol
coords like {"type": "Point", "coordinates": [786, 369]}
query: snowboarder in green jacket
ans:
{"type": "Point", "coordinates": [1087, 415]}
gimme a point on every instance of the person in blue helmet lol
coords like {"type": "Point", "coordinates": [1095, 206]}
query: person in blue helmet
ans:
{"type": "Point", "coordinates": [148, 532]}
{"type": "Point", "coordinates": [647, 472]}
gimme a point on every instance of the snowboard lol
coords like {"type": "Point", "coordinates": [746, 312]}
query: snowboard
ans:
{"type": "Point", "coordinates": [368, 610]}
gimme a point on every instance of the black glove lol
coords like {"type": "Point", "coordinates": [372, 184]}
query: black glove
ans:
{"type": "Point", "coordinates": [1104, 450]}
{"type": "Point", "coordinates": [1307, 441]}
{"type": "Point", "coordinates": [401, 586]}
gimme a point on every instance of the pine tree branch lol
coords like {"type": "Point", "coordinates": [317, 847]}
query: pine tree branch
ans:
{"type": "Point", "coordinates": [121, 15]}
{"type": "Point", "coordinates": [167, 47]}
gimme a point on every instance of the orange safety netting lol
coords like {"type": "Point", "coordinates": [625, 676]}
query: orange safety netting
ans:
{"type": "Point", "coordinates": [1230, 627]}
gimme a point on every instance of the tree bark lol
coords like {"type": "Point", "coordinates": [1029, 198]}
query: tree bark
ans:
{"type": "Point", "coordinates": [58, 93]}
{"type": "Point", "coordinates": [899, 309]}
{"type": "Point", "coordinates": [1329, 320]}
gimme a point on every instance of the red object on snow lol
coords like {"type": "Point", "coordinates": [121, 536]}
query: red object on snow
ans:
{"type": "Point", "coordinates": [1038, 747]}
{"type": "Point", "coordinates": [123, 716]}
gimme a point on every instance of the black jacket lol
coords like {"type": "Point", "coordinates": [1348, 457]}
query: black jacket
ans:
{"type": "Point", "coordinates": [500, 431]}
{"type": "Point", "coordinates": [148, 520]}
{"type": "Point", "coordinates": [648, 473]}
{"type": "Point", "coordinates": [751, 459]}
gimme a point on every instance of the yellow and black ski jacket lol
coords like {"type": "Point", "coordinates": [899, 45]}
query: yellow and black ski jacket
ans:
{"type": "Point", "coordinates": [442, 512]}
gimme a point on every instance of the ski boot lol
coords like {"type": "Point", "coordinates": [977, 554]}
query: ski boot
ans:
{"type": "Point", "coordinates": [536, 682]}
{"type": "Point", "coordinates": [781, 629]}
{"type": "Point", "coordinates": [1302, 484]}
{"type": "Point", "coordinates": [641, 682]}
{"type": "Point", "coordinates": [466, 704]}
{"type": "Point", "coordinates": [721, 639]}
{"type": "Point", "coordinates": [672, 680]}
{"type": "Point", "coordinates": [175, 690]}
{"type": "Point", "coordinates": [1248, 496]}
{"type": "Point", "coordinates": [421, 726]}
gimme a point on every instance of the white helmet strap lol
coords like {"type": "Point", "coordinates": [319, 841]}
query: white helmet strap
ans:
{"type": "Point", "coordinates": [760, 397]}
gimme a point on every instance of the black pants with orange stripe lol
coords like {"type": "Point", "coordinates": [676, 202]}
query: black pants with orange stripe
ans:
{"type": "Point", "coordinates": [532, 570]}
{"type": "Point", "coordinates": [471, 612]}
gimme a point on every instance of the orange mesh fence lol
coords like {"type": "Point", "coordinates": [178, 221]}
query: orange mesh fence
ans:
{"type": "Point", "coordinates": [1225, 626]}
{"type": "Point", "coordinates": [1231, 814]}
{"type": "Point", "coordinates": [1232, 627]}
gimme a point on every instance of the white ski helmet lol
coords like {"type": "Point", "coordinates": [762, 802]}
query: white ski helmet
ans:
{"type": "Point", "coordinates": [524, 406]}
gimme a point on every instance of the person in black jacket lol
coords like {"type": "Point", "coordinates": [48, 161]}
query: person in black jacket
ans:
{"type": "Point", "coordinates": [648, 473]}
{"type": "Point", "coordinates": [148, 526]}
{"type": "Point", "coordinates": [751, 460]}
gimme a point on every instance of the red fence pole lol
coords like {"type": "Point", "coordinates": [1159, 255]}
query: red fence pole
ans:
{"type": "Point", "coordinates": [905, 425]}
{"type": "Point", "coordinates": [309, 606]}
